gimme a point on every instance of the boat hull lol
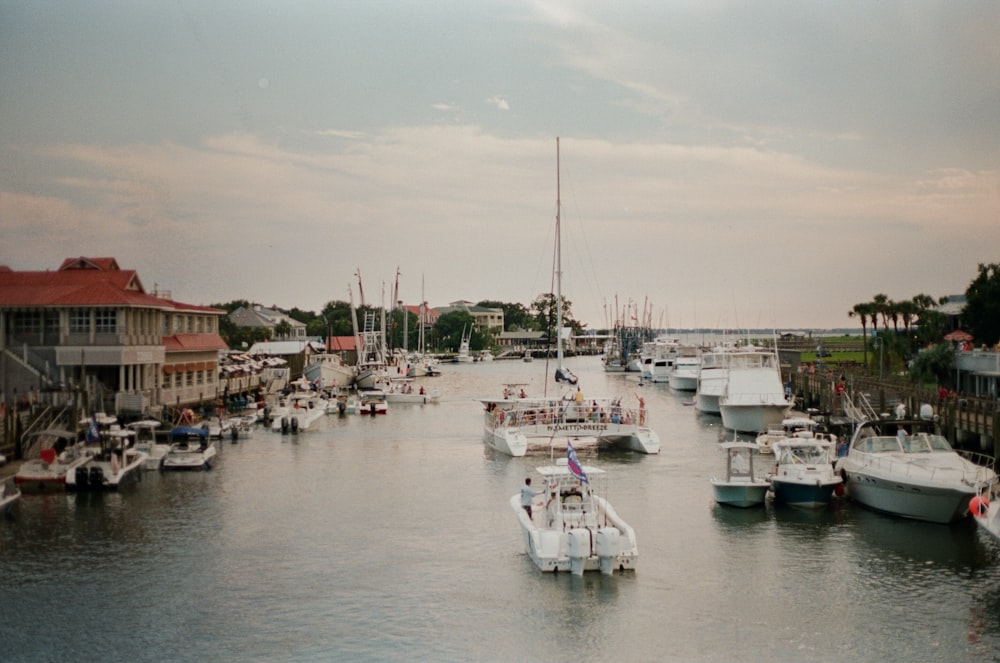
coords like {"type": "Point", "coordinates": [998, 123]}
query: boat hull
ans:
{"type": "Point", "coordinates": [740, 494]}
{"type": "Point", "coordinates": [752, 418]}
{"type": "Point", "coordinates": [908, 500]}
{"type": "Point", "coordinates": [805, 495]}
{"type": "Point", "coordinates": [105, 475]}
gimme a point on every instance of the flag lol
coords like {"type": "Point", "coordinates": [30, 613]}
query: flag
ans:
{"type": "Point", "coordinates": [92, 434]}
{"type": "Point", "coordinates": [574, 464]}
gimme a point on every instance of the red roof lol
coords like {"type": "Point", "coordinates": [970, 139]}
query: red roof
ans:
{"type": "Point", "coordinates": [193, 342]}
{"type": "Point", "coordinates": [341, 344]}
{"type": "Point", "coordinates": [81, 282]}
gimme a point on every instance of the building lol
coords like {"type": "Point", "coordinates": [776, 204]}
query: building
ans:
{"type": "Point", "coordinates": [485, 318]}
{"type": "Point", "coordinates": [269, 318]}
{"type": "Point", "coordinates": [90, 329]}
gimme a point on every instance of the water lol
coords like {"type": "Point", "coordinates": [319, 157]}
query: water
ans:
{"type": "Point", "coordinates": [391, 538]}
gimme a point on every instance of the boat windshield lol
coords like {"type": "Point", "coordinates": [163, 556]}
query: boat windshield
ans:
{"type": "Point", "coordinates": [925, 442]}
{"type": "Point", "coordinates": [804, 454]}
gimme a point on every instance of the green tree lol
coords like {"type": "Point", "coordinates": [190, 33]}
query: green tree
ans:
{"type": "Point", "coordinates": [283, 329]}
{"type": "Point", "coordinates": [934, 364]}
{"type": "Point", "coordinates": [543, 310]}
{"type": "Point", "coordinates": [515, 315]}
{"type": "Point", "coordinates": [982, 305]}
{"type": "Point", "coordinates": [449, 327]}
{"type": "Point", "coordinates": [863, 312]}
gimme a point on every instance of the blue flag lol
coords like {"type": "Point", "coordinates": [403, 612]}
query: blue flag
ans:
{"type": "Point", "coordinates": [574, 464]}
{"type": "Point", "coordinates": [92, 434]}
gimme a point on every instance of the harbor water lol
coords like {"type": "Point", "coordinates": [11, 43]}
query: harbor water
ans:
{"type": "Point", "coordinates": [391, 538]}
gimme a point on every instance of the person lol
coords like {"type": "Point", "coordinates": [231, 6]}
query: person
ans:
{"type": "Point", "coordinates": [528, 494]}
{"type": "Point", "coordinates": [841, 446]}
{"type": "Point", "coordinates": [522, 394]}
{"type": "Point", "coordinates": [578, 396]}
{"type": "Point", "coordinates": [901, 433]}
{"type": "Point", "coordinates": [642, 410]}
{"type": "Point", "coordinates": [900, 410]}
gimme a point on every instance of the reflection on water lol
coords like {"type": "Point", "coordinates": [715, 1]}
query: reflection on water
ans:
{"type": "Point", "coordinates": [391, 538]}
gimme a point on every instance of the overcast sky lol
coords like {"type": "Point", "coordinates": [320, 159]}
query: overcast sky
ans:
{"type": "Point", "coordinates": [733, 164]}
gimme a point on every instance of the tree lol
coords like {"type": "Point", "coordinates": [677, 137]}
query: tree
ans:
{"type": "Point", "coordinates": [515, 315]}
{"type": "Point", "coordinates": [863, 312]}
{"type": "Point", "coordinates": [982, 305]}
{"type": "Point", "coordinates": [936, 363]}
{"type": "Point", "coordinates": [543, 310]}
{"type": "Point", "coordinates": [282, 329]}
{"type": "Point", "coordinates": [449, 327]}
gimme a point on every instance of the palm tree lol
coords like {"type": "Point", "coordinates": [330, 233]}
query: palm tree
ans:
{"type": "Point", "coordinates": [862, 311]}
{"type": "Point", "coordinates": [881, 307]}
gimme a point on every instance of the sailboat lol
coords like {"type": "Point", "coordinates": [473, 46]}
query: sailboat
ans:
{"type": "Point", "coordinates": [516, 424]}
{"type": "Point", "coordinates": [563, 374]}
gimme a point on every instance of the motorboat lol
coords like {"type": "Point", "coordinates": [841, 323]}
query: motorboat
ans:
{"type": "Point", "coordinates": [9, 495]}
{"type": "Point", "coordinates": [754, 396]}
{"type": "Point", "coordinates": [463, 356]}
{"type": "Point", "coordinates": [905, 467]}
{"type": "Point", "coordinates": [329, 370]}
{"type": "Point", "coordinates": [190, 449]}
{"type": "Point", "coordinates": [58, 454]}
{"type": "Point", "coordinates": [400, 390]}
{"type": "Point", "coordinates": [803, 474]}
{"type": "Point", "coordinates": [145, 440]}
{"type": "Point", "coordinates": [986, 515]}
{"type": "Point", "coordinates": [713, 373]}
{"type": "Point", "coordinates": [571, 527]}
{"type": "Point", "coordinates": [372, 401]}
{"type": "Point", "coordinates": [115, 463]}
{"type": "Point", "coordinates": [792, 427]}
{"type": "Point", "coordinates": [517, 425]}
{"type": "Point", "coordinates": [686, 366]}
{"type": "Point", "coordinates": [303, 409]}
{"type": "Point", "coordinates": [741, 486]}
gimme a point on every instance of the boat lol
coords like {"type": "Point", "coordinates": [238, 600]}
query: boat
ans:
{"type": "Point", "coordinates": [514, 425]}
{"type": "Point", "coordinates": [792, 427]}
{"type": "Point", "coordinates": [571, 527]}
{"type": "Point", "coordinates": [914, 475]}
{"type": "Point", "coordinates": [527, 356]}
{"type": "Point", "coordinates": [59, 454]}
{"type": "Point", "coordinates": [302, 410]}
{"type": "Point", "coordinates": [190, 449]}
{"type": "Point", "coordinates": [463, 356]}
{"type": "Point", "coordinates": [684, 373]}
{"type": "Point", "coordinates": [986, 515]}
{"type": "Point", "coordinates": [329, 371]}
{"type": "Point", "coordinates": [754, 396]}
{"type": "Point", "coordinates": [803, 474]}
{"type": "Point", "coordinates": [115, 463]}
{"type": "Point", "coordinates": [713, 372]}
{"type": "Point", "coordinates": [145, 440]}
{"type": "Point", "coordinates": [662, 360]}
{"type": "Point", "coordinates": [400, 390]}
{"type": "Point", "coordinates": [9, 495]}
{"type": "Point", "coordinates": [372, 361]}
{"type": "Point", "coordinates": [372, 401]}
{"type": "Point", "coordinates": [741, 486]}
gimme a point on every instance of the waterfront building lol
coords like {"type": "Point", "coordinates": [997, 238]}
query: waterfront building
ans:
{"type": "Point", "coordinates": [90, 328]}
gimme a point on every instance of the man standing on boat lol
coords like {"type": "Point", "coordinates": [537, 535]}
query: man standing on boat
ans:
{"type": "Point", "coordinates": [528, 494]}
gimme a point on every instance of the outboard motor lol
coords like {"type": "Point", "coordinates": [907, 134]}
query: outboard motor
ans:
{"type": "Point", "coordinates": [81, 478]}
{"type": "Point", "coordinates": [607, 548]}
{"type": "Point", "coordinates": [578, 549]}
{"type": "Point", "coordinates": [96, 477]}
{"type": "Point", "coordinates": [341, 408]}
{"type": "Point", "coordinates": [284, 425]}
{"type": "Point", "coordinates": [234, 433]}
{"type": "Point", "coordinates": [295, 424]}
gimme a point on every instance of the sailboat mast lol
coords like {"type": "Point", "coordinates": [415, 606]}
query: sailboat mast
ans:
{"type": "Point", "coordinates": [559, 350]}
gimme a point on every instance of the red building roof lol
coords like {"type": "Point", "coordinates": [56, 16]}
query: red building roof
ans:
{"type": "Point", "coordinates": [341, 344]}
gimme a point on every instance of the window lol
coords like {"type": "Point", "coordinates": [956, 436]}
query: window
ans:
{"type": "Point", "coordinates": [27, 322]}
{"type": "Point", "coordinates": [106, 321]}
{"type": "Point", "coordinates": [79, 321]}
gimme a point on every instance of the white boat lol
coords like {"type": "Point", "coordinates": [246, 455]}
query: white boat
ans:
{"type": "Point", "coordinates": [463, 356]}
{"type": "Point", "coordinates": [9, 495]}
{"type": "Point", "coordinates": [687, 365]}
{"type": "Point", "coordinates": [917, 475]}
{"type": "Point", "coordinates": [662, 361]}
{"type": "Point", "coordinates": [401, 390]}
{"type": "Point", "coordinates": [372, 357]}
{"type": "Point", "coordinates": [372, 401]}
{"type": "Point", "coordinates": [114, 464]}
{"type": "Point", "coordinates": [572, 528]}
{"type": "Point", "coordinates": [754, 397]}
{"type": "Point", "coordinates": [514, 426]}
{"type": "Point", "coordinates": [58, 454]}
{"type": "Point", "coordinates": [792, 427]}
{"type": "Point", "coordinates": [986, 515]}
{"type": "Point", "coordinates": [741, 486]}
{"type": "Point", "coordinates": [301, 412]}
{"type": "Point", "coordinates": [713, 372]}
{"type": "Point", "coordinates": [803, 475]}
{"type": "Point", "coordinates": [190, 449]}
{"type": "Point", "coordinates": [145, 440]}
{"type": "Point", "coordinates": [329, 371]}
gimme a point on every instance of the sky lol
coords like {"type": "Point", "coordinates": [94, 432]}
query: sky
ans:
{"type": "Point", "coordinates": [721, 164]}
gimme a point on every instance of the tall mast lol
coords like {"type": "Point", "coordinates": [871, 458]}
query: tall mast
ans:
{"type": "Point", "coordinates": [559, 350]}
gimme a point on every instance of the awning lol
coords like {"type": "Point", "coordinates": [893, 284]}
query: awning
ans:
{"type": "Point", "coordinates": [959, 336]}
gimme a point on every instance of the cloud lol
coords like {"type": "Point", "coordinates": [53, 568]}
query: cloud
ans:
{"type": "Point", "coordinates": [499, 102]}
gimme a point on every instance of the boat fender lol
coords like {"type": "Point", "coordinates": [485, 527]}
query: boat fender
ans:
{"type": "Point", "coordinates": [979, 505]}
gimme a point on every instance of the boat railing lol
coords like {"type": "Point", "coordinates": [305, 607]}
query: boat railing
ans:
{"type": "Point", "coordinates": [978, 474]}
{"type": "Point", "coordinates": [569, 413]}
